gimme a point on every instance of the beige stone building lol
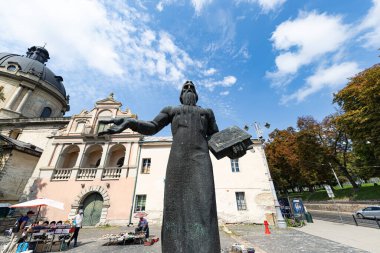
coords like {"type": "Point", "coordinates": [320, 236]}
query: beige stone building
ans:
{"type": "Point", "coordinates": [33, 109]}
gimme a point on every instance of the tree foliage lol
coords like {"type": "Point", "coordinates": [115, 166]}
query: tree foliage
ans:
{"type": "Point", "coordinates": [282, 160]}
{"type": "Point", "coordinates": [305, 157]}
{"type": "Point", "coordinates": [360, 101]}
{"type": "Point", "coordinates": [348, 142]}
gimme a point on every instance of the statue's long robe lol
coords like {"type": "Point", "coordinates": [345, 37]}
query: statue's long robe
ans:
{"type": "Point", "coordinates": [190, 223]}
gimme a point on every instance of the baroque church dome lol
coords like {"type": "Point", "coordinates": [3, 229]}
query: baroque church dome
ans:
{"type": "Point", "coordinates": [30, 88]}
{"type": "Point", "coordinates": [33, 63]}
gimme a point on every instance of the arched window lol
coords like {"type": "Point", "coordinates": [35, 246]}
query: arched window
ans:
{"type": "Point", "coordinates": [97, 163]}
{"type": "Point", "coordinates": [46, 112]}
{"type": "Point", "coordinates": [120, 162]}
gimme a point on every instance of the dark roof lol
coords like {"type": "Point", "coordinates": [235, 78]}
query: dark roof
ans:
{"type": "Point", "coordinates": [34, 63]}
{"type": "Point", "coordinates": [22, 146]}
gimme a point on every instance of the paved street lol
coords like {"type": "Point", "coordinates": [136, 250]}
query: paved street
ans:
{"type": "Point", "coordinates": [345, 218]}
{"type": "Point", "coordinates": [359, 237]}
{"type": "Point", "coordinates": [288, 240]}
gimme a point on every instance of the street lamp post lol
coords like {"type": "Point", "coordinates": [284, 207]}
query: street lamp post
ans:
{"type": "Point", "coordinates": [280, 219]}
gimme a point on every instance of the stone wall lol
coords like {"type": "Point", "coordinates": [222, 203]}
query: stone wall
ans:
{"type": "Point", "coordinates": [18, 168]}
{"type": "Point", "coordinates": [344, 206]}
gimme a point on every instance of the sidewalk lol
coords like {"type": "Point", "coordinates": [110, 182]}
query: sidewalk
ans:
{"type": "Point", "coordinates": [358, 237]}
{"type": "Point", "coordinates": [287, 240]}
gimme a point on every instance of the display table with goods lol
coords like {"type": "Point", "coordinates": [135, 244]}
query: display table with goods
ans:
{"type": "Point", "coordinates": [48, 239]}
{"type": "Point", "coordinates": [128, 239]}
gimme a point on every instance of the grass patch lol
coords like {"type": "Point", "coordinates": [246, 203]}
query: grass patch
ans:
{"type": "Point", "coordinates": [106, 226]}
{"type": "Point", "coordinates": [365, 192]}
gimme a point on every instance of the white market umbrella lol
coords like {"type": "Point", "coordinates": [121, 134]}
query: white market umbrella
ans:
{"type": "Point", "coordinates": [38, 203]}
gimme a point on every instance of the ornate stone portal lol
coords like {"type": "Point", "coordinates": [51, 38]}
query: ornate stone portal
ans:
{"type": "Point", "coordinates": [78, 202]}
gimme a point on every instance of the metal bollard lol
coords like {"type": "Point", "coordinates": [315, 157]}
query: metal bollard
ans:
{"type": "Point", "coordinates": [353, 216]}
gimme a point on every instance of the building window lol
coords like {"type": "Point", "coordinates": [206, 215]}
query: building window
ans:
{"type": "Point", "coordinates": [235, 165]}
{"type": "Point", "coordinates": [103, 127]}
{"type": "Point", "coordinates": [97, 163]}
{"type": "Point", "coordinates": [240, 201]}
{"type": "Point", "coordinates": [46, 112]}
{"type": "Point", "coordinates": [12, 68]}
{"type": "Point", "coordinates": [145, 166]}
{"type": "Point", "coordinates": [120, 162]}
{"type": "Point", "coordinates": [140, 203]}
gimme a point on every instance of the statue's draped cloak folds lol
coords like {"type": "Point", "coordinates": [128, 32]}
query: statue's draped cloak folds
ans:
{"type": "Point", "coordinates": [190, 223]}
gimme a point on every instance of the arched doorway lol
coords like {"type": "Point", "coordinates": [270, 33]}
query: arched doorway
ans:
{"type": "Point", "coordinates": [92, 207]}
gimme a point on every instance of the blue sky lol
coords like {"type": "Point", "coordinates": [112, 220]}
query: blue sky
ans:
{"type": "Point", "coordinates": [251, 60]}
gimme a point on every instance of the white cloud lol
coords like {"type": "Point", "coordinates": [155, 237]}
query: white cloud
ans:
{"type": "Point", "coordinates": [227, 81]}
{"type": "Point", "coordinates": [265, 5]}
{"type": "Point", "coordinates": [199, 5]}
{"type": "Point", "coordinates": [224, 93]}
{"type": "Point", "coordinates": [370, 25]}
{"type": "Point", "coordinates": [114, 40]}
{"type": "Point", "coordinates": [160, 6]}
{"type": "Point", "coordinates": [62, 26]}
{"type": "Point", "coordinates": [209, 72]}
{"type": "Point", "coordinates": [331, 77]}
{"type": "Point", "coordinates": [270, 5]}
{"type": "Point", "coordinates": [304, 40]}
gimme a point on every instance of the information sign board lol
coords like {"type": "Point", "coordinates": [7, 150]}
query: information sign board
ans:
{"type": "Point", "coordinates": [329, 191]}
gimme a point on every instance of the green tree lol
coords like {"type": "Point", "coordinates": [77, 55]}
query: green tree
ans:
{"type": "Point", "coordinates": [313, 159]}
{"type": "Point", "coordinates": [338, 146]}
{"type": "Point", "coordinates": [282, 159]}
{"type": "Point", "coordinates": [360, 101]}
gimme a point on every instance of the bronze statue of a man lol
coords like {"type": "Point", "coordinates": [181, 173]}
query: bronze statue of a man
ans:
{"type": "Point", "coordinates": [190, 223]}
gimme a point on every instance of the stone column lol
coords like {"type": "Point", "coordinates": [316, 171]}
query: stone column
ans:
{"type": "Point", "coordinates": [104, 157]}
{"type": "Point", "coordinates": [82, 149]}
{"type": "Point", "coordinates": [128, 149]}
{"type": "Point", "coordinates": [23, 101]}
{"type": "Point", "coordinates": [103, 160]}
{"type": "Point", "coordinates": [125, 167]}
{"type": "Point", "coordinates": [14, 97]}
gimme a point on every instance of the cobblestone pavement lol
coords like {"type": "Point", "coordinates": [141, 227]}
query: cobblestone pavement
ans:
{"type": "Point", "coordinates": [287, 240]}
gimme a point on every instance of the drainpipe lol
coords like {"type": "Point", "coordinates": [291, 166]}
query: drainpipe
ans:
{"type": "Point", "coordinates": [137, 175]}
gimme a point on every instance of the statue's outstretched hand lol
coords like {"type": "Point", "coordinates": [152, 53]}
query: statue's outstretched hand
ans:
{"type": "Point", "coordinates": [238, 151]}
{"type": "Point", "coordinates": [119, 125]}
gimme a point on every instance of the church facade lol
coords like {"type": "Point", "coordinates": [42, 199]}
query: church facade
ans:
{"type": "Point", "coordinates": [111, 177]}
{"type": "Point", "coordinates": [34, 103]}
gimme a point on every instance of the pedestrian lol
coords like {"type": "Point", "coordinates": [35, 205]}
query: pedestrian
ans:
{"type": "Point", "coordinates": [78, 224]}
{"type": "Point", "coordinates": [143, 226]}
{"type": "Point", "coordinates": [17, 232]}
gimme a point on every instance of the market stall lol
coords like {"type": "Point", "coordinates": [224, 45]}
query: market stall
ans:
{"type": "Point", "coordinates": [124, 238]}
{"type": "Point", "coordinates": [44, 238]}
{"type": "Point", "coordinates": [48, 239]}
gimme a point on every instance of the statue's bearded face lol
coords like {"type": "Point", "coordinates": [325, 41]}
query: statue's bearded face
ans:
{"type": "Point", "coordinates": [189, 96]}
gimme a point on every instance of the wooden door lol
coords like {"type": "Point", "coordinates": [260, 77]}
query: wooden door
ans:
{"type": "Point", "coordinates": [92, 207]}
